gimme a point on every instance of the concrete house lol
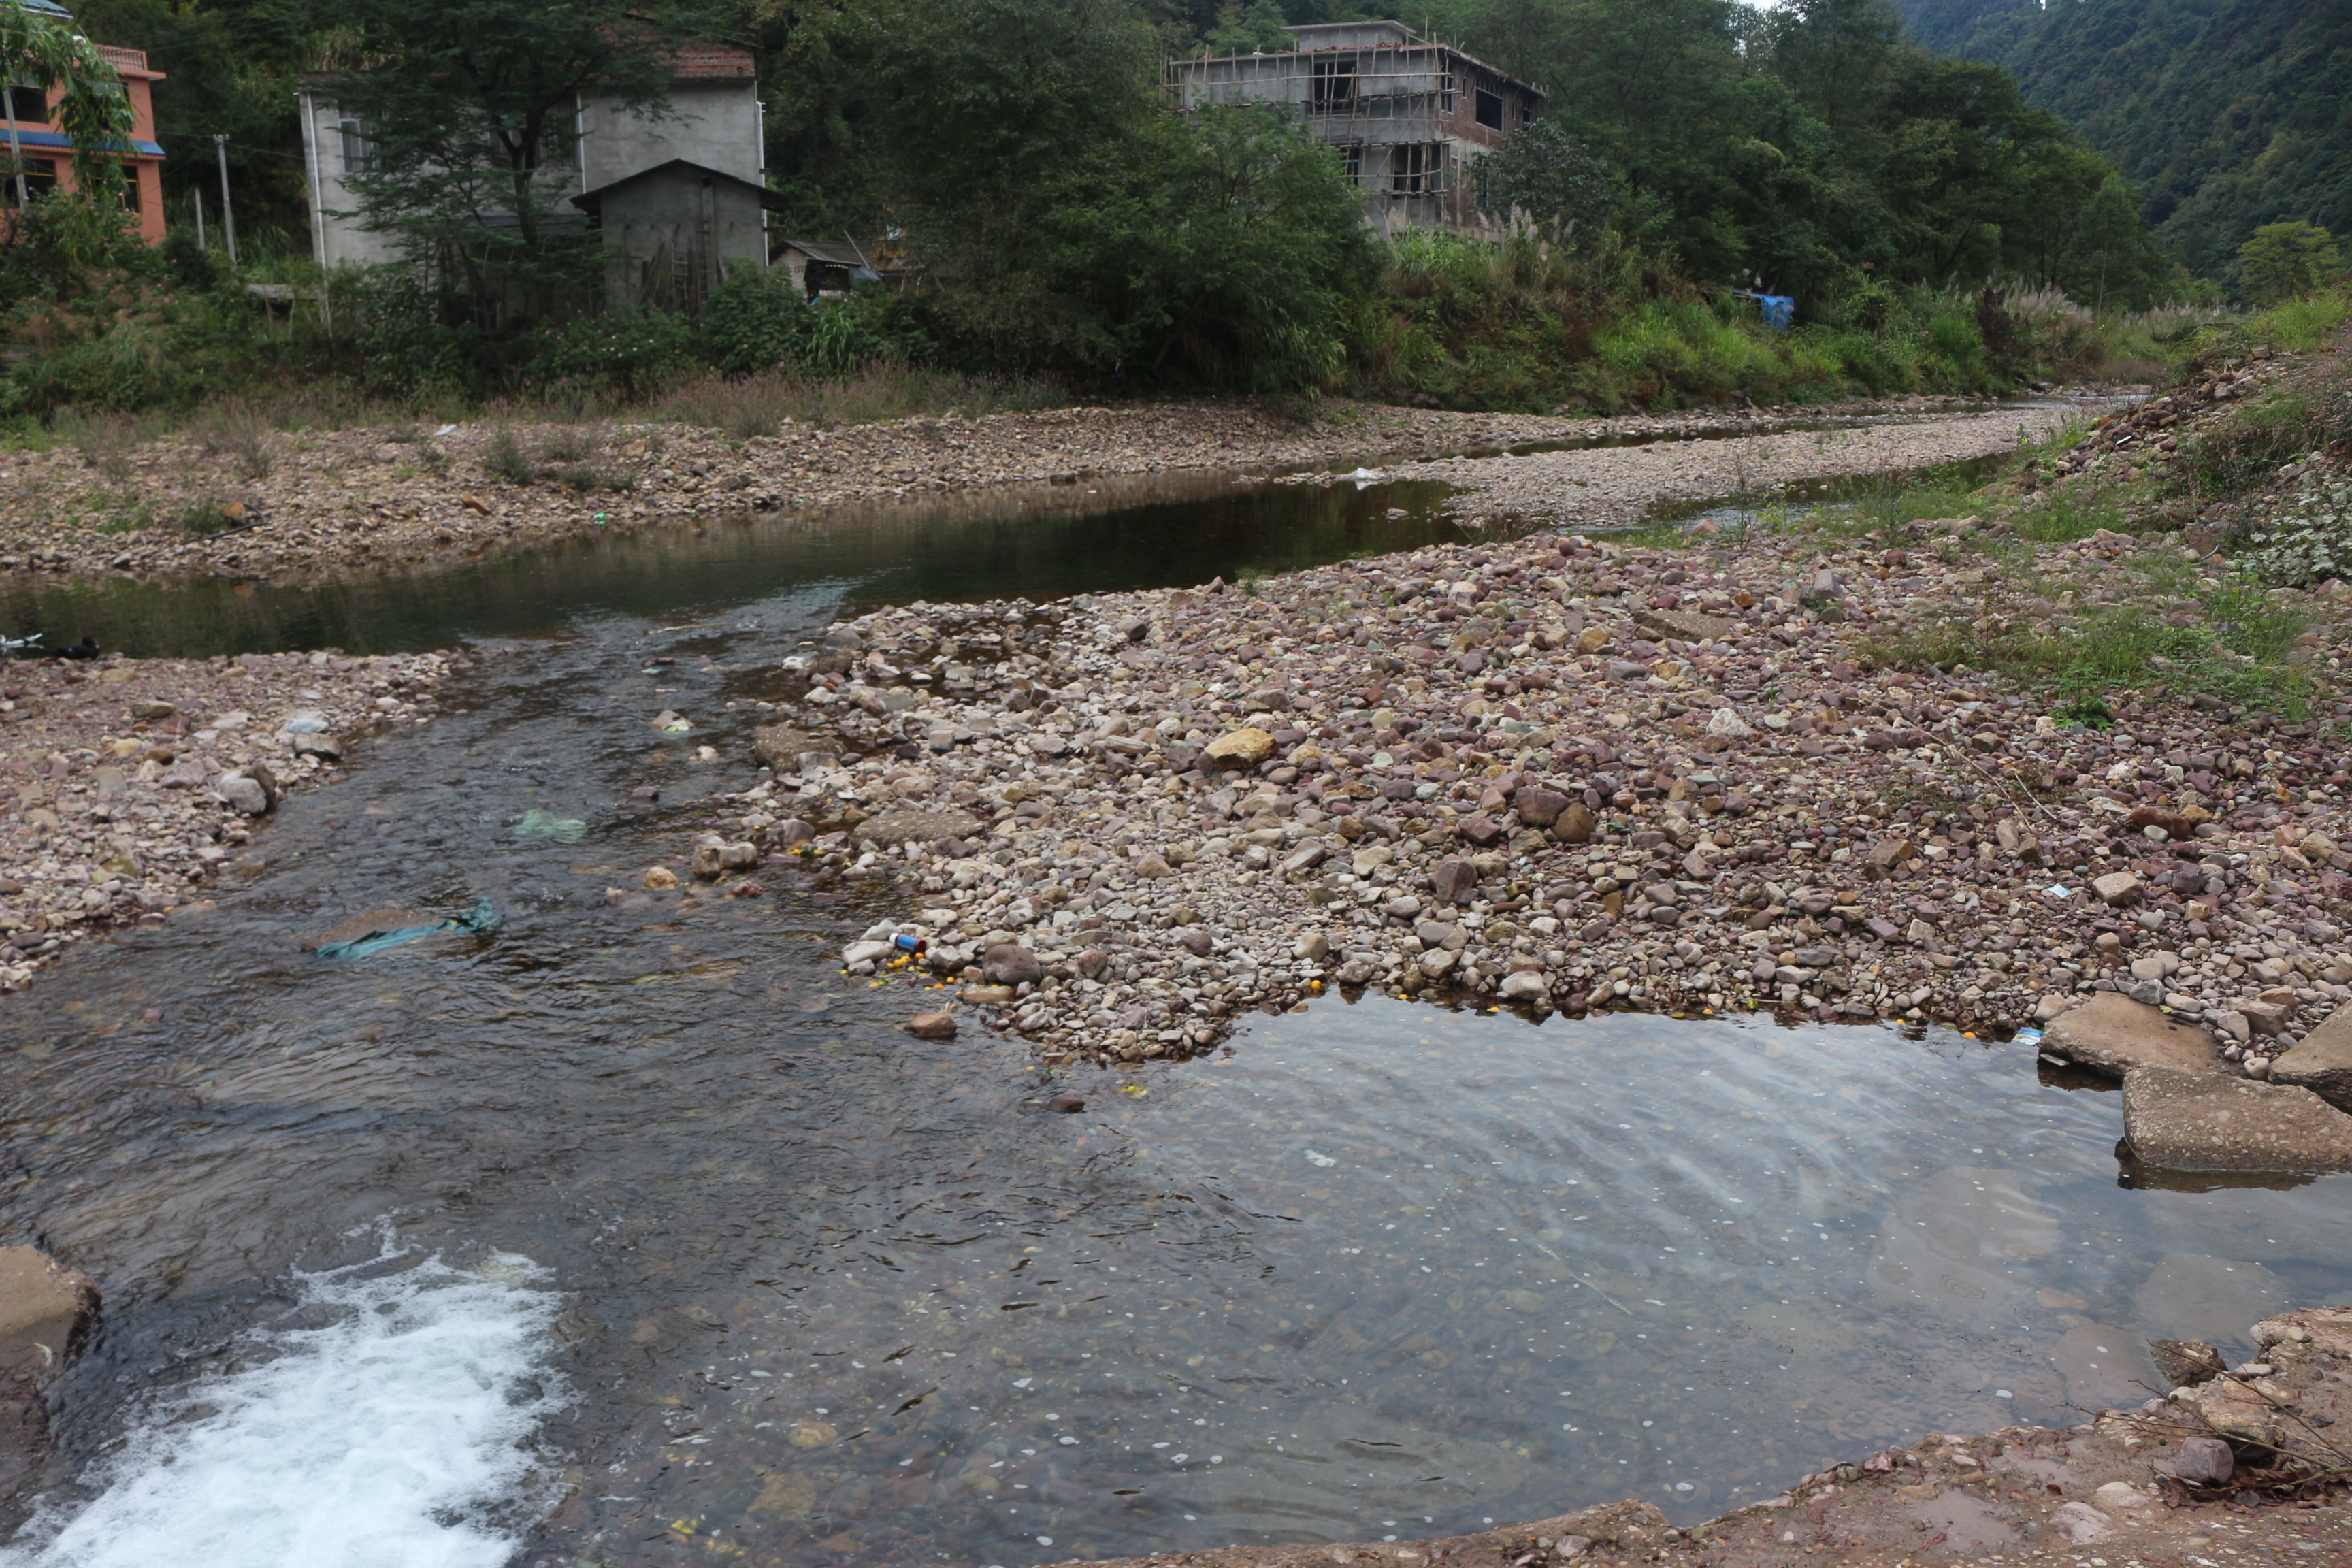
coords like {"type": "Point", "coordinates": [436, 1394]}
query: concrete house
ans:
{"type": "Point", "coordinates": [675, 198]}
{"type": "Point", "coordinates": [1408, 115]}
{"type": "Point", "coordinates": [28, 131]}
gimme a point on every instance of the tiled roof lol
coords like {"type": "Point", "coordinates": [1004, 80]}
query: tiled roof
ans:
{"type": "Point", "coordinates": [713, 62]}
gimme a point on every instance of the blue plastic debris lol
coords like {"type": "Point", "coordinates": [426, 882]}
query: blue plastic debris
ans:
{"type": "Point", "coordinates": [482, 917]}
{"type": "Point", "coordinates": [1780, 310]}
{"type": "Point", "coordinates": [540, 823]}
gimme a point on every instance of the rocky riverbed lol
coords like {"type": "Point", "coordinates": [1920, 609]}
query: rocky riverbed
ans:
{"type": "Point", "coordinates": [1688, 774]}
{"type": "Point", "coordinates": [133, 785]}
{"type": "Point", "coordinates": [1566, 772]}
{"type": "Point", "coordinates": [248, 501]}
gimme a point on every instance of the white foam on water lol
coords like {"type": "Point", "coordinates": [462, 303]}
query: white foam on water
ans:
{"type": "Point", "coordinates": [399, 1434]}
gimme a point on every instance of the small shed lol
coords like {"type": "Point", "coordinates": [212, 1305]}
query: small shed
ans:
{"type": "Point", "coordinates": [822, 267]}
{"type": "Point", "coordinates": [671, 229]}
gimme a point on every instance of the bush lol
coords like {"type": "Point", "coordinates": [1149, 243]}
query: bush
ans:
{"type": "Point", "coordinates": [754, 320]}
{"type": "Point", "coordinates": [631, 352]}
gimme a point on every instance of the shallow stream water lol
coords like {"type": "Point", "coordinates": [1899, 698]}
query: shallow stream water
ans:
{"type": "Point", "coordinates": [644, 1236]}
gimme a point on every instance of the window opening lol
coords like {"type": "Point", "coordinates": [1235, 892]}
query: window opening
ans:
{"type": "Point", "coordinates": [1413, 168]}
{"type": "Point", "coordinates": [1334, 86]}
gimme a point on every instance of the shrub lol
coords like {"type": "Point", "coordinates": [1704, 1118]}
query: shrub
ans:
{"type": "Point", "coordinates": [634, 353]}
{"type": "Point", "coordinates": [754, 320]}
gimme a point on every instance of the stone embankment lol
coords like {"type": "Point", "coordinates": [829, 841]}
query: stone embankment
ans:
{"type": "Point", "coordinates": [2238, 1465]}
{"type": "Point", "coordinates": [127, 787]}
{"type": "Point", "coordinates": [325, 503]}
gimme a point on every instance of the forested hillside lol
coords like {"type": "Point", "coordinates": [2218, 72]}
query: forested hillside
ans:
{"type": "Point", "coordinates": [2226, 114]}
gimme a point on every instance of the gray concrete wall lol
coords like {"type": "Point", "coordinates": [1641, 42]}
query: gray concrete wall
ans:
{"type": "Point", "coordinates": [336, 241]}
{"type": "Point", "coordinates": [714, 123]}
{"type": "Point", "coordinates": [651, 225]}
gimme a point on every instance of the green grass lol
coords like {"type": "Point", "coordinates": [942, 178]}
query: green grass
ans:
{"type": "Point", "coordinates": [2235, 651]}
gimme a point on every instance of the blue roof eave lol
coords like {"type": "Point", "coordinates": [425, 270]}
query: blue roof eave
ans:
{"type": "Point", "coordinates": [52, 139]}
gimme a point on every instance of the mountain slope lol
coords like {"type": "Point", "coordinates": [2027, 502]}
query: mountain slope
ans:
{"type": "Point", "coordinates": [2227, 114]}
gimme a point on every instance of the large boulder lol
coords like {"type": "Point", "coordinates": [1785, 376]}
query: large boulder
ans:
{"type": "Point", "coordinates": [1010, 963]}
{"type": "Point", "coordinates": [1539, 806]}
{"type": "Point", "coordinates": [2113, 1034]}
{"type": "Point", "coordinates": [1455, 878]}
{"type": "Point", "coordinates": [2202, 1121]}
{"type": "Point", "coordinates": [2322, 1061]}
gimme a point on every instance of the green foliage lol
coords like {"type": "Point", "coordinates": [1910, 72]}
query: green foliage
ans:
{"type": "Point", "coordinates": [506, 459]}
{"type": "Point", "coordinates": [1255, 29]}
{"type": "Point", "coordinates": [1548, 175]}
{"type": "Point", "coordinates": [1001, 109]}
{"type": "Point", "coordinates": [1228, 256]}
{"type": "Point", "coordinates": [1810, 151]}
{"type": "Point", "coordinates": [634, 353]}
{"type": "Point", "coordinates": [67, 246]}
{"type": "Point", "coordinates": [402, 348]}
{"type": "Point", "coordinates": [2287, 262]}
{"type": "Point", "coordinates": [2227, 114]}
{"type": "Point", "coordinates": [754, 320]}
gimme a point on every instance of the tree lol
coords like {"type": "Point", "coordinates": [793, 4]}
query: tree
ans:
{"type": "Point", "coordinates": [468, 107]}
{"type": "Point", "coordinates": [1548, 174]}
{"type": "Point", "coordinates": [96, 113]}
{"type": "Point", "coordinates": [1257, 29]}
{"type": "Point", "coordinates": [2287, 259]}
{"type": "Point", "coordinates": [999, 109]}
{"type": "Point", "coordinates": [1229, 253]}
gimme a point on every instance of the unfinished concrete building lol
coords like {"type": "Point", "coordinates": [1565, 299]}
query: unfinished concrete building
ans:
{"type": "Point", "coordinates": [1408, 115]}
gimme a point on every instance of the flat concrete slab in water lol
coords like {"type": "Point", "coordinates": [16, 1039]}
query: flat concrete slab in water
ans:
{"type": "Point", "coordinates": [2113, 1034]}
{"type": "Point", "coordinates": [2193, 1122]}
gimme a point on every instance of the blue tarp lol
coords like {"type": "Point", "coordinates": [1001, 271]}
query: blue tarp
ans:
{"type": "Point", "coordinates": [1780, 310]}
{"type": "Point", "coordinates": [480, 918]}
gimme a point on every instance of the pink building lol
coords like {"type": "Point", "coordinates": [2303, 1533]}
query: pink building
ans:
{"type": "Point", "coordinates": [28, 117]}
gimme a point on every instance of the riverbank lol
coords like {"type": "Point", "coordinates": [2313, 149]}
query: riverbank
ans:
{"type": "Point", "coordinates": [2158, 1487]}
{"type": "Point", "coordinates": [318, 504]}
{"type": "Point", "coordinates": [132, 785]}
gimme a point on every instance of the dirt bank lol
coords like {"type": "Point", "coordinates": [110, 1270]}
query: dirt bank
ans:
{"type": "Point", "coordinates": [311, 504]}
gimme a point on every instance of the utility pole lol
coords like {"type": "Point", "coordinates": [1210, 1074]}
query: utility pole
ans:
{"type": "Point", "coordinates": [16, 150]}
{"type": "Point", "coordinates": [228, 213]}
